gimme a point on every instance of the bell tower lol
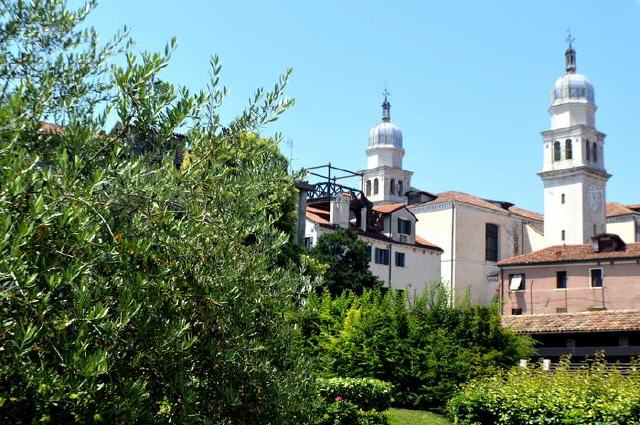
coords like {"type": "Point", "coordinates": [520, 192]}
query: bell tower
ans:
{"type": "Point", "coordinates": [573, 171]}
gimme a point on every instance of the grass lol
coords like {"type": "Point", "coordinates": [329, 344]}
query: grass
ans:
{"type": "Point", "coordinates": [415, 417]}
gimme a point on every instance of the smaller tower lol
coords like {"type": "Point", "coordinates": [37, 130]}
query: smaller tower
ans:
{"type": "Point", "coordinates": [384, 181]}
{"type": "Point", "coordinates": [573, 171]}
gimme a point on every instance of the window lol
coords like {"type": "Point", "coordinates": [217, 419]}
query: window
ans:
{"type": "Point", "coordinates": [382, 256]}
{"type": "Point", "coordinates": [399, 259]}
{"type": "Point", "coordinates": [368, 252]}
{"type": "Point", "coordinates": [404, 226]}
{"type": "Point", "coordinates": [568, 149]}
{"type": "Point", "coordinates": [308, 242]}
{"type": "Point", "coordinates": [516, 282]}
{"type": "Point", "coordinates": [561, 280]}
{"type": "Point", "coordinates": [595, 152]}
{"type": "Point", "coordinates": [392, 186]}
{"type": "Point", "coordinates": [516, 311]}
{"type": "Point", "coordinates": [596, 278]}
{"type": "Point", "coordinates": [400, 188]}
{"type": "Point", "coordinates": [562, 198]}
{"type": "Point", "coordinates": [375, 186]}
{"type": "Point", "coordinates": [368, 190]}
{"type": "Point", "coordinates": [561, 310]}
{"type": "Point", "coordinates": [491, 242]}
{"type": "Point", "coordinates": [556, 151]}
{"type": "Point", "coordinates": [562, 235]}
{"type": "Point", "coordinates": [588, 149]}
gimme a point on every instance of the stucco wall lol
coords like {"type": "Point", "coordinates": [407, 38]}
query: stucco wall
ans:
{"type": "Point", "coordinates": [621, 289]}
{"type": "Point", "coordinates": [626, 228]}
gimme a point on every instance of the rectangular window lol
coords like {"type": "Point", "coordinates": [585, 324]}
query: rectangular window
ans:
{"type": "Point", "coordinates": [561, 280]}
{"type": "Point", "coordinates": [404, 226]}
{"type": "Point", "coordinates": [308, 243]}
{"type": "Point", "coordinates": [516, 282]}
{"type": "Point", "coordinates": [399, 259]}
{"type": "Point", "coordinates": [516, 311]}
{"type": "Point", "coordinates": [382, 256]}
{"type": "Point", "coordinates": [562, 235]}
{"type": "Point", "coordinates": [369, 252]}
{"type": "Point", "coordinates": [491, 242]}
{"type": "Point", "coordinates": [561, 310]}
{"type": "Point", "coordinates": [596, 278]}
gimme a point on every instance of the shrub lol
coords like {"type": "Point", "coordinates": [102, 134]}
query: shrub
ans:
{"type": "Point", "coordinates": [425, 348]}
{"type": "Point", "coordinates": [366, 393]}
{"type": "Point", "coordinates": [596, 395]}
{"type": "Point", "coordinates": [345, 412]}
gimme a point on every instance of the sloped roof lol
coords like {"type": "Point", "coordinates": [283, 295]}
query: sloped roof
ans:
{"type": "Point", "coordinates": [570, 253]}
{"type": "Point", "coordinates": [47, 127]}
{"type": "Point", "coordinates": [317, 215]}
{"type": "Point", "coordinates": [426, 243]}
{"type": "Point", "coordinates": [479, 202]}
{"type": "Point", "coordinates": [615, 209]}
{"type": "Point", "coordinates": [588, 321]}
{"type": "Point", "coordinates": [389, 208]}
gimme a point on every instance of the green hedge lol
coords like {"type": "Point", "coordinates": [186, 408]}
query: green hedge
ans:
{"type": "Point", "coordinates": [595, 395]}
{"type": "Point", "coordinates": [344, 412]}
{"type": "Point", "coordinates": [366, 393]}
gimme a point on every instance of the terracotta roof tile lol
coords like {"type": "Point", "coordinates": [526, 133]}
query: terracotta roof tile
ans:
{"type": "Point", "coordinates": [474, 200]}
{"type": "Point", "coordinates": [46, 127]}
{"type": "Point", "coordinates": [388, 208]}
{"type": "Point", "coordinates": [570, 253]}
{"type": "Point", "coordinates": [316, 218]}
{"type": "Point", "coordinates": [589, 321]}
{"type": "Point", "coordinates": [635, 207]}
{"type": "Point", "coordinates": [526, 214]}
{"type": "Point", "coordinates": [423, 241]}
{"type": "Point", "coordinates": [615, 209]}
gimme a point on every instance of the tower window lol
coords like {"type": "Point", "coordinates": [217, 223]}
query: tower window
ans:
{"type": "Point", "coordinates": [568, 149]}
{"type": "Point", "coordinates": [595, 152]}
{"type": "Point", "coordinates": [562, 235]}
{"type": "Point", "coordinates": [392, 186]}
{"type": "Point", "coordinates": [491, 242]}
{"type": "Point", "coordinates": [400, 188]}
{"type": "Point", "coordinates": [368, 190]}
{"type": "Point", "coordinates": [588, 150]}
{"type": "Point", "coordinates": [562, 198]}
{"type": "Point", "coordinates": [556, 151]}
{"type": "Point", "coordinates": [375, 186]}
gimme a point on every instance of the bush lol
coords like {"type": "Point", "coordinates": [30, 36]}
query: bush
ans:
{"type": "Point", "coordinates": [595, 395]}
{"type": "Point", "coordinates": [345, 412]}
{"type": "Point", "coordinates": [425, 348]}
{"type": "Point", "coordinates": [366, 393]}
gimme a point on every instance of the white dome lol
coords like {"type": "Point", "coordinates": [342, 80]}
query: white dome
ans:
{"type": "Point", "coordinates": [572, 87]}
{"type": "Point", "coordinates": [385, 133]}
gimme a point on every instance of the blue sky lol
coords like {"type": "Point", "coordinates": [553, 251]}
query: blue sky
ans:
{"type": "Point", "coordinates": [470, 80]}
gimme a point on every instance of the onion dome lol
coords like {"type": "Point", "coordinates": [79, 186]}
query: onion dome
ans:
{"type": "Point", "coordinates": [385, 133]}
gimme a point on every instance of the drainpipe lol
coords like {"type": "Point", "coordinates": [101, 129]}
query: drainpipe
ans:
{"type": "Point", "coordinates": [453, 235]}
{"type": "Point", "coordinates": [531, 291]}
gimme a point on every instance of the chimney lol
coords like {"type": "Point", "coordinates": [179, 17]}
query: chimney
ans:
{"type": "Point", "coordinates": [339, 212]}
{"type": "Point", "coordinates": [303, 189]}
{"type": "Point", "coordinates": [363, 219]}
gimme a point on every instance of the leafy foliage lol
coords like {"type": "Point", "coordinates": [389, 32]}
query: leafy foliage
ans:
{"type": "Point", "coordinates": [424, 348]}
{"type": "Point", "coordinates": [345, 412]}
{"type": "Point", "coordinates": [596, 395]}
{"type": "Point", "coordinates": [348, 264]}
{"type": "Point", "coordinates": [366, 393]}
{"type": "Point", "coordinates": [139, 282]}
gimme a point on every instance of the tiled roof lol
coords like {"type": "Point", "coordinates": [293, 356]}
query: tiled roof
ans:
{"type": "Point", "coordinates": [526, 214]}
{"type": "Point", "coordinates": [589, 321]}
{"type": "Point", "coordinates": [615, 209]}
{"type": "Point", "coordinates": [474, 200]}
{"type": "Point", "coordinates": [635, 207]}
{"type": "Point", "coordinates": [570, 253]}
{"type": "Point", "coordinates": [46, 127]}
{"type": "Point", "coordinates": [388, 208]}
{"type": "Point", "coordinates": [317, 218]}
{"type": "Point", "coordinates": [426, 243]}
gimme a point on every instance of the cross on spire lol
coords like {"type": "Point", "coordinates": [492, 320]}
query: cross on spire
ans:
{"type": "Point", "coordinates": [570, 38]}
{"type": "Point", "coordinates": [386, 106]}
{"type": "Point", "coordinates": [570, 54]}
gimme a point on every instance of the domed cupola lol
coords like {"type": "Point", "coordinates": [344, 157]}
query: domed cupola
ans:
{"type": "Point", "coordinates": [572, 87]}
{"type": "Point", "coordinates": [386, 133]}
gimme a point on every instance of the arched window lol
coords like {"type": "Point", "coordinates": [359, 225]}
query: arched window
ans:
{"type": "Point", "coordinates": [556, 151]}
{"type": "Point", "coordinates": [368, 190]}
{"type": "Point", "coordinates": [392, 186]}
{"type": "Point", "coordinates": [588, 150]}
{"type": "Point", "coordinates": [375, 186]}
{"type": "Point", "coordinates": [568, 149]}
{"type": "Point", "coordinates": [400, 188]}
{"type": "Point", "coordinates": [595, 152]}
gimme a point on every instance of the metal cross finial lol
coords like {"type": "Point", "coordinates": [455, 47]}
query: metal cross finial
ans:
{"type": "Point", "coordinates": [570, 39]}
{"type": "Point", "coordinates": [386, 93]}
